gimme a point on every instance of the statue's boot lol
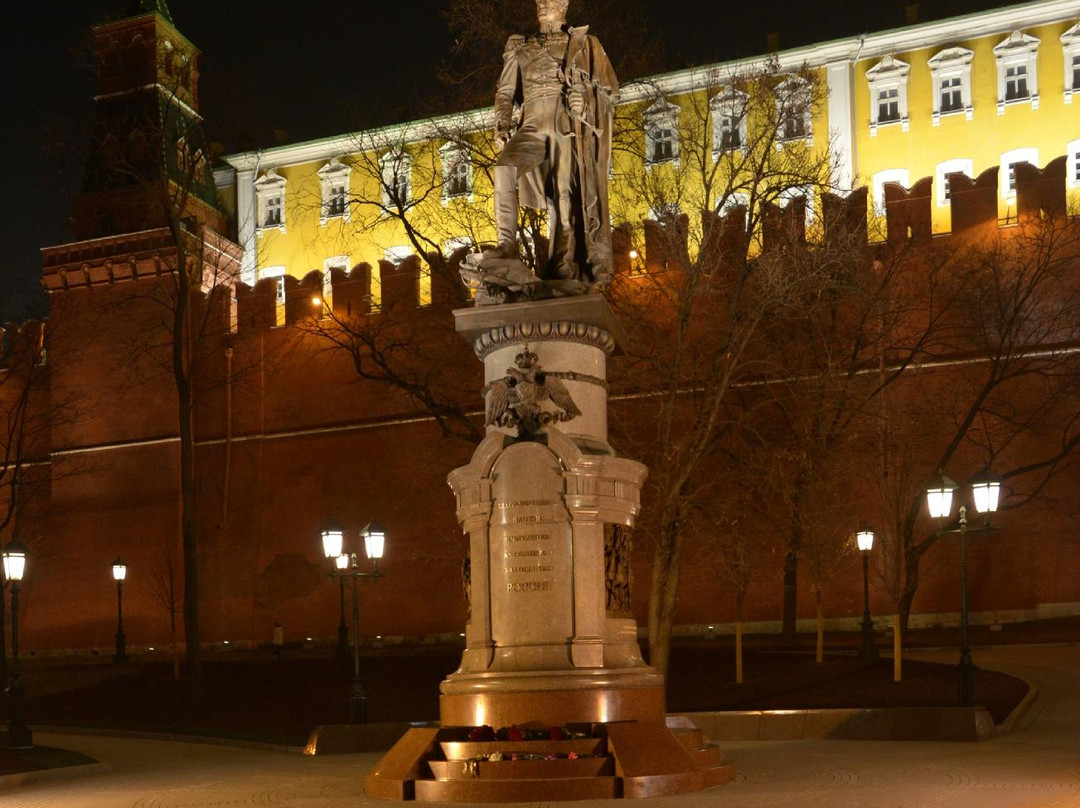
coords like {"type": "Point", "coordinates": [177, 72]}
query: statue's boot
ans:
{"type": "Point", "coordinates": [506, 214]}
{"type": "Point", "coordinates": [563, 243]}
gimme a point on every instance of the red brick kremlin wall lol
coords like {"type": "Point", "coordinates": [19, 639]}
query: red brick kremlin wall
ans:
{"type": "Point", "coordinates": [310, 440]}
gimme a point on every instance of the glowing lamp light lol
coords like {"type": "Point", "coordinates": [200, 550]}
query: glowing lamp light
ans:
{"type": "Point", "coordinates": [985, 489]}
{"type": "Point", "coordinates": [864, 537]}
{"type": "Point", "coordinates": [341, 561]}
{"type": "Point", "coordinates": [14, 561]}
{"type": "Point", "coordinates": [332, 535]}
{"type": "Point", "coordinates": [633, 255]}
{"type": "Point", "coordinates": [316, 301]}
{"type": "Point", "coordinates": [119, 570]}
{"type": "Point", "coordinates": [939, 493]}
{"type": "Point", "coordinates": [374, 540]}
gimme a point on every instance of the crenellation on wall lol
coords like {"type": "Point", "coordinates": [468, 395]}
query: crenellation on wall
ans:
{"type": "Point", "coordinates": [400, 283]}
{"type": "Point", "coordinates": [1041, 193]}
{"type": "Point", "coordinates": [973, 201]}
{"type": "Point", "coordinates": [908, 217]}
{"type": "Point", "coordinates": [783, 225]}
{"type": "Point", "coordinates": [844, 217]}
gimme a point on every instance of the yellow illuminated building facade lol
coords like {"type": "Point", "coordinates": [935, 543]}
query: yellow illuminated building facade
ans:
{"type": "Point", "coordinates": [965, 94]}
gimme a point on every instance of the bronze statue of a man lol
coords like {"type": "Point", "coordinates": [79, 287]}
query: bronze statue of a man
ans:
{"type": "Point", "coordinates": [560, 153]}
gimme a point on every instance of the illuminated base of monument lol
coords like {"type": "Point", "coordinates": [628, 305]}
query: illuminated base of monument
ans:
{"type": "Point", "coordinates": [552, 700]}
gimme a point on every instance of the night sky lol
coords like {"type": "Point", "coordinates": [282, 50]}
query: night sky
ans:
{"type": "Point", "coordinates": [312, 68]}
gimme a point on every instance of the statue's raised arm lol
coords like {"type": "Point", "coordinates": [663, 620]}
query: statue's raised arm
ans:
{"type": "Point", "coordinates": [557, 159]}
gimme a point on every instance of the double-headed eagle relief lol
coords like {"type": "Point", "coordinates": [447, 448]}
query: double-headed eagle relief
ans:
{"type": "Point", "coordinates": [515, 400]}
{"type": "Point", "coordinates": [557, 158]}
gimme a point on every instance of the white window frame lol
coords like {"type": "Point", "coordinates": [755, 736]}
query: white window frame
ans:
{"type": "Point", "coordinates": [334, 185]}
{"type": "Point", "coordinates": [877, 185]}
{"type": "Point", "coordinates": [888, 74]}
{"type": "Point", "coordinates": [399, 254]}
{"type": "Point", "coordinates": [452, 155]}
{"type": "Point", "coordinates": [1072, 178]}
{"type": "Point", "coordinates": [1018, 50]}
{"type": "Point", "coordinates": [732, 104]}
{"type": "Point", "coordinates": [396, 167]}
{"type": "Point", "coordinates": [1070, 46]}
{"type": "Point", "coordinates": [791, 92]}
{"type": "Point", "coordinates": [270, 187]}
{"type": "Point", "coordinates": [661, 116]}
{"type": "Point", "coordinates": [951, 63]}
{"type": "Point", "coordinates": [278, 272]}
{"type": "Point", "coordinates": [1008, 160]}
{"type": "Point", "coordinates": [957, 165]}
{"type": "Point", "coordinates": [341, 262]}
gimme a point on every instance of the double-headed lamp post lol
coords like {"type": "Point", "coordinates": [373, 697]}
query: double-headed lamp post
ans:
{"type": "Point", "coordinates": [864, 537]}
{"type": "Point", "coordinates": [939, 496]}
{"type": "Point", "coordinates": [119, 573]}
{"type": "Point", "coordinates": [374, 543]}
{"type": "Point", "coordinates": [19, 735]}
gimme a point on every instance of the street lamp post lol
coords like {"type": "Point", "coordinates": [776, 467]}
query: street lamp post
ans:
{"type": "Point", "coordinates": [341, 563]}
{"type": "Point", "coordinates": [19, 735]}
{"type": "Point", "coordinates": [939, 495]}
{"type": "Point", "coordinates": [119, 573]}
{"type": "Point", "coordinates": [374, 544]}
{"type": "Point", "coordinates": [865, 539]}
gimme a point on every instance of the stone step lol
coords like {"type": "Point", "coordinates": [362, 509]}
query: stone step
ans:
{"type": "Point", "coordinates": [718, 775]}
{"type": "Point", "coordinates": [560, 768]}
{"type": "Point", "coordinates": [475, 789]}
{"type": "Point", "coordinates": [465, 750]}
{"type": "Point", "coordinates": [706, 756]}
{"type": "Point", "coordinates": [690, 737]}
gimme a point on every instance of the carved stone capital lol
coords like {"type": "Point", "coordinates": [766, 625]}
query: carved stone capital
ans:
{"type": "Point", "coordinates": [557, 331]}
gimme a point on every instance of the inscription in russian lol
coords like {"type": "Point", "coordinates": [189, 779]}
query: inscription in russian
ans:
{"type": "Point", "coordinates": [530, 557]}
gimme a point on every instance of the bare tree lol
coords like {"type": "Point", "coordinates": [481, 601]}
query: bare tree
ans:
{"type": "Point", "coordinates": [728, 176]}
{"type": "Point", "coordinates": [32, 413]}
{"type": "Point", "coordinates": [151, 159]}
{"type": "Point", "coordinates": [165, 586]}
{"type": "Point", "coordinates": [1001, 384]}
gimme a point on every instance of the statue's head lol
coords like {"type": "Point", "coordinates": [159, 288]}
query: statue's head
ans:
{"type": "Point", "coordinates": [551, 14]}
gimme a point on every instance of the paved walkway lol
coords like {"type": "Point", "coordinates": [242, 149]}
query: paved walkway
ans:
{"type": "Point", "coordinates": [1036, 766]}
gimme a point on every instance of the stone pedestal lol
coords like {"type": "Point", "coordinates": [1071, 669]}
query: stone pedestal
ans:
{"type": "Point", "coordinates": [540, 645]}
{"type": "Point", "coordinates": [548, 643]}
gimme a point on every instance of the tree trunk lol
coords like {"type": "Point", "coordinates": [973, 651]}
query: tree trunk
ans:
{"type": "Point", "coordinates": [738, 652]}
{"type": "Point", "coordinates": [3, 636]}
{"type": "Point", "coordinates": [663, 595]}
{"type": "Point", "coordinates": [911, 586]}
{"type": "Point", "coordinates": [897, 649]}
{"type": "Point", "coordinates": [185, 402]}
{"type": "Point", "coordinates": [819, 655]}
{"type": "Point", "coordinates": [791, 566]}
{"type": "Point", "coordinates": [175, 646]}
{"type": "Point", "coordinates": [791, 574]}
{"type": "Point", "coordinates": [188, 536]}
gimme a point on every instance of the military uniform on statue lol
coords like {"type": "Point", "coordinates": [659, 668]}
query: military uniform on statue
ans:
{"type": "Point", "coordinates": [557, 158]}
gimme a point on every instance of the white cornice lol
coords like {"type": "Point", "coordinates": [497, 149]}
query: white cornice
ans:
{"type": "Point", "coordinates": [398, 134]}
{"type": "Point", "coordinates": [870, 46]}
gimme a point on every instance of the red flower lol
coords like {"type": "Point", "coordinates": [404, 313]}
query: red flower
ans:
{"type": "Point", "coordinates": [571, 755]}
{"type": "Point", "coordinates": [514, 733]}
{"type": "Point", "coordinates": [484, 733]}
